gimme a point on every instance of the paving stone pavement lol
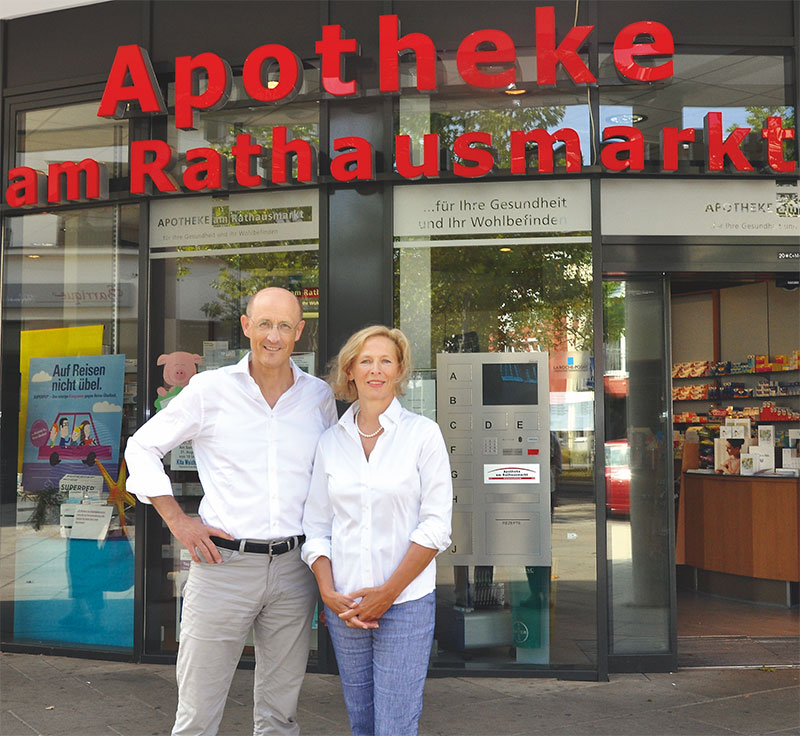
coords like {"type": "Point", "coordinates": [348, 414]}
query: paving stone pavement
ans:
{"type": "Point", "coordinates": [63, 696]}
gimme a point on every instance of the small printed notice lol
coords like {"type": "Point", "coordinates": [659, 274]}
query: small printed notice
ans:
{"type": "Point", "coordinates": [305, 362]}
{"type": "Point", "coordinates": [522, 473]}
{"type": "Point", "coordinates": [91, 521]}
{"type": "Point", "coordinates": [420, 396]}
{"type": "Point", "coordinates": [81, 487]}
{"type": "Point", "coordinates": [182, 457]}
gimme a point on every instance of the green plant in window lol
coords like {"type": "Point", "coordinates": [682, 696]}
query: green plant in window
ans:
{"type": "Point", "coordinates": [47, 502]}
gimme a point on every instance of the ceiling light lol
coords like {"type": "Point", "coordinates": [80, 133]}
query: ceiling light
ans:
{"type": "Point", "coordinates": [627, 118]}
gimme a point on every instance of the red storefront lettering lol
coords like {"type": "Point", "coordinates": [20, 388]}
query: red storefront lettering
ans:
{"type": "Point", "coordinates": [150, 160]}
{"type": "Point", "coordinates": [483, 159]}
{"type": "Point", "coordinates": [548, 55]}
{"type": "Point", "coordinates": [303, 150]}
{"type": "Point", "coordinates": [670, 138]}
{"type": "Point", "coordinates": [632, 147]}
{"type": "Point", "coordinates": [133, 61]}
{"type": "Point", "coordinates": [210, 171]}
{"type": "Point", "coordinates": [245, 157]}
{"type": "Point", "coordinates": [391, 45]}
{"type": "Point", "coordinates": [429, 167]}
{"type": "Point", "coordinates": [469, 56]}
{"type": "Point", "coordinates": [289, 78]}
{"type": "Point", "coordinates": [544, 147]}
{"type": "Point", "coordinates": [188, 101]}
{"type": "Point", "coordinates": [776, 134]}
{"type": "Point", "coordinates": [355, 160]}
{"type": "Point", "coordinates": [626, 50]}
{"type": "Point", "coordinates": [28, 187]}
{"type": "Point", "coordinates": [718, 148]}
{"type": "Point", "coordinates": [85, 180]}
{"type": "Point", "coordinates": [330, 49]}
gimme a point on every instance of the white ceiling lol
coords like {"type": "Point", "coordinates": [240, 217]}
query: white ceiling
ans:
{"type": "Point", "coordinates": [18, 8]}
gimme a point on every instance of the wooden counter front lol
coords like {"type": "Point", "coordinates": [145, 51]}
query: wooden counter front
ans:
{"type": "Point", "coordinates": [741, 525]}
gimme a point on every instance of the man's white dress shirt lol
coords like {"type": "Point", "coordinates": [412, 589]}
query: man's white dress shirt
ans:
{"type": "Point", "coordinates": [363, 514]}
{"type": "Point", "coordinates": [254, 461]}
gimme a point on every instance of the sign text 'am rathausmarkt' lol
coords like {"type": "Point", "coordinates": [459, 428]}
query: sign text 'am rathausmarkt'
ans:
{"type": "Point", "coordinates": [485, 60]}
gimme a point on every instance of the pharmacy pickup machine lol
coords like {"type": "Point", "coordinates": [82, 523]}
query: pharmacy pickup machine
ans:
{"type": "Point", "coordinates": [493, 409]}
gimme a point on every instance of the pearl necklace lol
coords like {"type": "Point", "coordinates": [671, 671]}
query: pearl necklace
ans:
{"type": "Point", "coordinates": [363, 434]}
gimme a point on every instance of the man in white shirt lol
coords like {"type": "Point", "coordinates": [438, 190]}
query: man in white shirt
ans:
{"type": "Point", "coordinates": [254, 428]}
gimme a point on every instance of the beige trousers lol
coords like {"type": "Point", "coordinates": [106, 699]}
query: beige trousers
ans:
{"type": "Point", "coordinates": [275, 596]}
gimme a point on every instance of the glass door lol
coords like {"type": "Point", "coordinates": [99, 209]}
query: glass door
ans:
{"type": "Point", "coordinates": [639, 470]}
{"type": "Point", "coordinates": [208, 255]}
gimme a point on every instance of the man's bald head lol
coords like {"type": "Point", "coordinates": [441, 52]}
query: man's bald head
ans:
{"type": "Point", "coordinates": [277, 293]}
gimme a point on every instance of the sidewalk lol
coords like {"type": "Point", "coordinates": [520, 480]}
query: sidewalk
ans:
{"type": "Point", "coordinates": [61, 696]}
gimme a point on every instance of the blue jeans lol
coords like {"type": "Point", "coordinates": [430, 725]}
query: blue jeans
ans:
{"type": "Point", "coordinates": [383, 670]}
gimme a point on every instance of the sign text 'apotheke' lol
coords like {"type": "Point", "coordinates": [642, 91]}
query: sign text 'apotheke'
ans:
{"type": "Point", "coordinates": [273, 73]}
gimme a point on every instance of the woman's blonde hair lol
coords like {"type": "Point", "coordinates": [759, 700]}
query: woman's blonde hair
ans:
{"type": "Point", "coordinates": [345, 389]}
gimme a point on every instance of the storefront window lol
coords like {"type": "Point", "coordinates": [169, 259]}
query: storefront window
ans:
{"type": "Point", "coordinates": [494, 281]}
{"type": "Point", "coordinates": [70, 317]}
{"type": "Point", "coordinates": [746, 89]}
{"type": "Point", "coordinates": [218, 130]}
{"type": "Point", "coordinates": [497, 114]}
{"type": "Point", "coordinates": [72, 133]}
{"type": "Point", "coordinates": [208, 255]}
{"type": "Point", "coordinates": [638, 449]}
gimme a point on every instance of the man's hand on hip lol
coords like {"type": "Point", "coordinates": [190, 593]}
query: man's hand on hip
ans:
{"type": "Point", "coordinates": [190, 531]}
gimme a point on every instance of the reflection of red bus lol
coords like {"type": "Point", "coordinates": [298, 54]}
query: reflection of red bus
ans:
{"type": "Point", "coordinates": [618, 477]}
{"type": "Point", "coordinates": [74, 438]}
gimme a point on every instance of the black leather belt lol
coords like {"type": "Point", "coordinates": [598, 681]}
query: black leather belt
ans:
{"type": "Point", "coordinates": [276, 547]}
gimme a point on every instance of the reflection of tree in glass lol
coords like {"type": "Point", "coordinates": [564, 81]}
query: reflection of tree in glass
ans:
{"type": "Point", "coordinates": [531, 297]}
{"type": "Point", "coordinates": [757, 120]}
{"type": "Point", "coordinates": [499, 123]}
{"type": "Point", "coordinates": [262, 135]}
{"type": "Point", "coordinates": [242, 275]}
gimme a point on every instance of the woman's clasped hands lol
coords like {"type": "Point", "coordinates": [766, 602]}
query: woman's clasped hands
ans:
{"type": "Point", "coordinates": [361, 609]}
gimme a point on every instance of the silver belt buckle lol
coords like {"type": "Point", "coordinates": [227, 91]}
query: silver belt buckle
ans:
{"type": "Point", "coordinates": [288, 541]}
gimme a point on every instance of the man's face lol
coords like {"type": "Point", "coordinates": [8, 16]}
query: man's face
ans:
{"type": "Point", "coordinates": [64, 428]}
{"type": "Point", "coordinates": [273, 326]}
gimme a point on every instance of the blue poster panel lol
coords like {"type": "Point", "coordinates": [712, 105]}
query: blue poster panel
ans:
{"type": "Point", "coordinates": [74, 418]}
{"type": "Point", "coordinates": [72, 590]}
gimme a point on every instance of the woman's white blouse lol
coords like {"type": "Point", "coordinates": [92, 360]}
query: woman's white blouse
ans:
{"type": "Point", "coordinates": [363, 514]}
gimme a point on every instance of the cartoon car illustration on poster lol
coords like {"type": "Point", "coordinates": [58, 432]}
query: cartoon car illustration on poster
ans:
{"type": "Point", "coordinates": [73, 438]}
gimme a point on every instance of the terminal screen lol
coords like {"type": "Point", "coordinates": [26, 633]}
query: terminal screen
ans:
{"type": "Point", "coordinates": [510, 384]}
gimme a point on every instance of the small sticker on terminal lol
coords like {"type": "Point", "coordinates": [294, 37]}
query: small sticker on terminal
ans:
{"type": "Point", "coordinates": [533, 451]}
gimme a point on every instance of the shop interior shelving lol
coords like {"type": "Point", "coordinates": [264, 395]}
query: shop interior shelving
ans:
{"type": "Point", "coordinates": [715, 380]}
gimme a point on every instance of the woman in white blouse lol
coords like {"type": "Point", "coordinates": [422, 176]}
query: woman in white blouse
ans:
{"type": "Point", "coordinates": [378, 512]}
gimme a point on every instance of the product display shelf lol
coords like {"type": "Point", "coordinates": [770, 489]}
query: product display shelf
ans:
{"type": "Point", "coordinates": [742, 373]}
{"type": "Point", "coordinates": [717, 386]}
{"type": "Point", "coordinates": [713, 421]}
{"type": "Point", "coordinates": [749, 398]}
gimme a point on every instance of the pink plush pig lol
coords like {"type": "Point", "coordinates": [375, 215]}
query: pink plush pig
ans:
{"type": "Point", "coordinates": [178, 369]}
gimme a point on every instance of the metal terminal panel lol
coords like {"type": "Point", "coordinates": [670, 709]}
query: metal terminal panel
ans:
{"type": "Point", "coordinates": [494, 411]}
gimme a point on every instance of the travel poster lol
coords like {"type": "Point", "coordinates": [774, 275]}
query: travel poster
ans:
{"type": "Point", "coordinates": [84, 340]}
{"type": "Point", "coordinates": [74, 418]}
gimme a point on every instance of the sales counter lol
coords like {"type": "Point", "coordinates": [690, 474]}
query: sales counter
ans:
{"type": "Point", "coordinates": [744, 526]}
